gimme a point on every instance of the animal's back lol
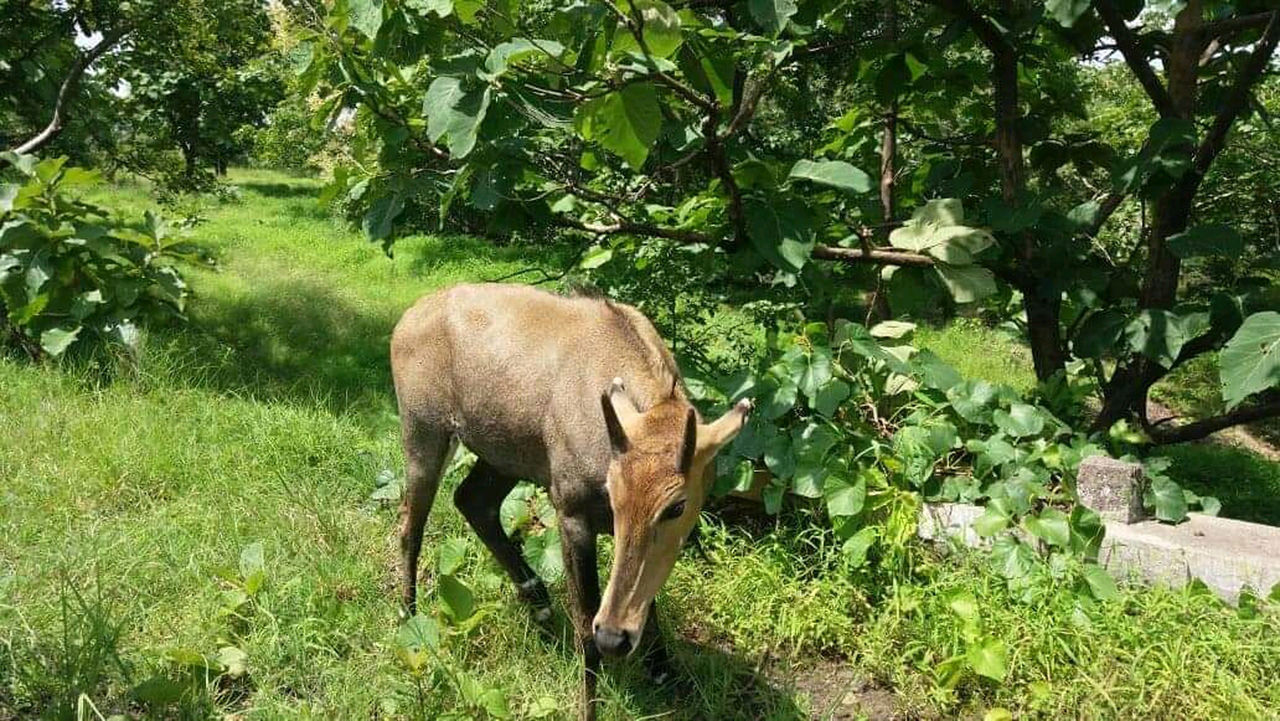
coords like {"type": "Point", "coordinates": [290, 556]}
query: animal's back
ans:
{"type": "Point", "coordinates": [514, 371]}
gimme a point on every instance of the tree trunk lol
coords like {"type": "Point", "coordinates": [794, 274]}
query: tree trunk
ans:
{"type": "Point", "coordinates": [878, 309]}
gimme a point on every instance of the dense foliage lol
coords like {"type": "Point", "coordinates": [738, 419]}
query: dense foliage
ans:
{"type": "Point", "coordinates": [741, 128]}
{"type": "Point", "coordinates": [68, 269]}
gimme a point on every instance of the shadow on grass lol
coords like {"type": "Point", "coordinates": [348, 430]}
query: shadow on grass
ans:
{"type": "Point", "coordinates": [281, 190]}
{"type": "Point", "coordinates": [301, 341]}
{"type": "Point", "coordinates": [1247, 484]}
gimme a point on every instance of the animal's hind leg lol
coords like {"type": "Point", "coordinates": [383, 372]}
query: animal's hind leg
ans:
{"type": "Point", "coordinates": [480, 497]}
{"type": "Point", "coordinates": [426, 452]}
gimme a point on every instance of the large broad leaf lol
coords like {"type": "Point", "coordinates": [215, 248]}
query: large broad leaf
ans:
{"type": "Point", "coordinates": [416, 639]}
{"type": "Point", "coordinates": [832, 173]}
{"type": "Point", "coordinates": [782, 232]}
{"type": "Point", "coordinates": [1021, 420]}
{"type": "Point", "coordinates": [845, 496]}
{"type": "Point", "coordinates": [1156, 334]}
{"type": "Point", "coordinates": [458, 599]}
{"type": "Point", "coordinates": [987, 658]}
{"type": "Point", "coordinates": [366, 16]}
{"type": "Point", "coordinates": [1101, 584]}
{"type": "Point", "coordinates": [1050, 526]}
{"type": "Point", "coordinates": [772, 15]}
{"type": "Point", "coordinates": [1099, 333]}
{"type": "Point", "coordinates": [625, 122]}
{"type": "Point", "coordinates": [1212, 239]}
{"type": "Point", "coordinates": [967, 283]}
{"type": "Point", "coordinates": [1168, 500]}
{"type": "Point", "coordinates": [660, 29]}
{"type": "Point", "coordinates": [506, 54]}
{"type": "Point", "coordinates": [55, 341]}
{"type": "Point", "coordinates": [830, 396]}
{"type": "Point", "coordinates": [455, 112]}
{"type": "Point", "coordinates": [1067, 12]}
{"type": "Point", "coordinates": [1250, 362]}
{"type": "Point", "coordinates": [543, 554]}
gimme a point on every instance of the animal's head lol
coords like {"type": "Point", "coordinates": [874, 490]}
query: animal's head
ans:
{"type": "Point", "coordinates": [658, 480]}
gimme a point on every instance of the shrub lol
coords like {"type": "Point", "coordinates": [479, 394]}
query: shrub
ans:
{"type": "Point", "coordinates": [70, 270]}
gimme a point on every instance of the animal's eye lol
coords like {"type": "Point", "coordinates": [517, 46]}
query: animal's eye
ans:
{"type": "Point", "coordinates": [674, 511]}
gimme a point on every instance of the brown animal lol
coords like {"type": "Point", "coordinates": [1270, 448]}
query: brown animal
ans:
{"type": "Point", "coordinates": [580, 395]}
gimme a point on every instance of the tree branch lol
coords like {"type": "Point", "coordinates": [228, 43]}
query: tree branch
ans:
{"type": "Point", "coordinates": [67, 92]}
{"type": "Point", "coordinates": [986, 30]}
{"type": "Point", "coordinates": [1128, 44]}
{"type": "Point", "coordinates": [1200, 429]}
{"type": "Point", "coordinates": [623, 226]}
{"type": "Point", "coordinates": [873, 256]}
{"type": "Point", "coordinates": [1227, 26]}
{"type": "Point", "coordinates": [1215, 139]}
{"type": "Point", "coordinates": [1105, 210]}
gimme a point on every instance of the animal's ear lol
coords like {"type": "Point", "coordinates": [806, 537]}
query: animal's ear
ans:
{"type": "Point", "coordinates": [690, 444]}
{"type": "Point", "coordinates": [618, 414]}
{"type": "Point", "coordinates": [715, 435]}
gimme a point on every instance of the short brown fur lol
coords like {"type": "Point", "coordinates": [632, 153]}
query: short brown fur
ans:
{"type": "Point", "coordinates": [580, 395]}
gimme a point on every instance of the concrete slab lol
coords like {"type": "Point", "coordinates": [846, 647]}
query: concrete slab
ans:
{"type": "Point", "coordinates": [1225, 554]}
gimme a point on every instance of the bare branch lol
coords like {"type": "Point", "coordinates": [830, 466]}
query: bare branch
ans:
{"type": "Point", "coordinates": [1105, 210]}
{"type": "Point", "coordinates": [1128, 44]}
{"type": "Point", "coordinates": [873, 256]}
{"type": "Point", "coordinates": [626, 227]}
{"type": "Point", "coordinates": [1227, 26]}
{"type": "Point", "coordinates": [1200, 429]}
{"type": "Point", "coordinates": [67, 92]}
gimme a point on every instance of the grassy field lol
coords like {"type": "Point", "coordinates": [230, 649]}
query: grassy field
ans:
{"type": "Point", "coordinates": [132, 491]}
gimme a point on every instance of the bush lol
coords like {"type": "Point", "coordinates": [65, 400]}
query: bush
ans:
{"type": "Point", "coordinates": [69, 270]}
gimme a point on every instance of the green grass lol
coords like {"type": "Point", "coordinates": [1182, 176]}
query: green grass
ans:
{"type": "Point", "coordinates": [979, 352]}
{"type": "Point", "coordinates": [131, 489]}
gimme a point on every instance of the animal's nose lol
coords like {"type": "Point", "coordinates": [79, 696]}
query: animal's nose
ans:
{"type": "Point", "coordinates": [612, 641]}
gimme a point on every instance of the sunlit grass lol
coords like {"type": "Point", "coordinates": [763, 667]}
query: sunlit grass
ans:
{"type": "Point", "coordinates": [270, 417]}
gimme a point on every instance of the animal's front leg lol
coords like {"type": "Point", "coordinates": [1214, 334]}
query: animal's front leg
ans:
{"type": "Point", "coordinates": [657, 661]}
{"type": "Point", "coordinates": [578, 543]}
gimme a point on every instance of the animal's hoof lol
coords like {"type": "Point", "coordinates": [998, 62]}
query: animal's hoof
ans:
{"type": "Point", "coordinates": [542, 615]}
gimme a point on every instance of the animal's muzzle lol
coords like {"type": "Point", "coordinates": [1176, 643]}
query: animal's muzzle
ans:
{"type": "Point", "coordinates": [613, 641]}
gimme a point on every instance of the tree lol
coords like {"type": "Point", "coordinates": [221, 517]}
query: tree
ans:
{"type": "Point", "coordinates": [740, 128]}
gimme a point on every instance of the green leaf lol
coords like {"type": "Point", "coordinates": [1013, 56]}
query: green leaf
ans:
{"type": "Point", "coordinates": [1099, 333]}
{"type": "Point", "coordinates": [892, 329]}
{"type": "Point", "coordinates": [253, 567]}
{"type": "Point", "coordinates": [1015, 559]}
{"type": "Point", "coordinates": [833, 174]}
{"type": "Point", "coordinates": [660, 29]}
{"type": "Point", "coordinates": [56, 340]}
{"type": "Point", "coordinates": [992, 521]}
{"type": "Point", "coordinates": [1250, 362]}
{"type": "Point", "coordinates": [988, 659]}
{"type": "Point", "coordinates": [1101, 584]}
{"type": "Point", "coordinates": [442, 8]}
{"type": "Point", "coordinates": [845, 496]}
{"type": "Point", "coordinates": [1156, 334]}
{"type": "Point", "coordinates": [1211, 239]}
{"type": "Point", "coordinates": [452, 553]}
{"type": "Point", "coordinates": [233, 661]}
{"type": "Point", "coordinates": [772, 15]}
{"type": "Point", "coordinates": [459, 601]}
{"type": "Point", "coordinates": [366, 16]}
{"type": "Point", "coordinates": [415, 640]}
{"type": "Point", "coordinates": [595, 257]}
{"type": "Point", "coordinates": [816, 371]}
{"type": "Point", "coordinates": [455, 113]}
{"type": "Point", "coordinates": [782, 232]}
{"type": "Point", "coordinates": [158, 691]}
{"type": "Point", "coordinates": [543, 554]}
{"type": "Point", "coordinates": [1210, 505]}
{"type": "Point", "coordinates": [967, 283]}
{"type": "Point", "coordinates": [1050, 526]}
{"type": "Point", "coordinates": [625, 122]}
{"type": "Point", "coordinates": [1067, 12]}
{"type": "Point", "coordinates": [1020, 421]}
{"type": "Point", "coordinates": [856, 547]}
{"type": "Point", "coordinates": [1168, 500]}
{"type": "Point", "coordinates": [830, 396]}
{"type": "Point", "coordinates": [513, 51]}
{"type": "Point", "coordinates": [379, 219]}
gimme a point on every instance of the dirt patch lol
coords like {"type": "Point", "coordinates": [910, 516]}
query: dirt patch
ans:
{"type": "Point", "coordinates": [837, 692]}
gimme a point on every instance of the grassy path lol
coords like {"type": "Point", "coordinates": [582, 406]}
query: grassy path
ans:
{"type": "Point", "coordinates": [127, 503]}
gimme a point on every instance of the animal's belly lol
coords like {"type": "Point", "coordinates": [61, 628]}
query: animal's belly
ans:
{"type": "Point", "coordinates": [511, 451]}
